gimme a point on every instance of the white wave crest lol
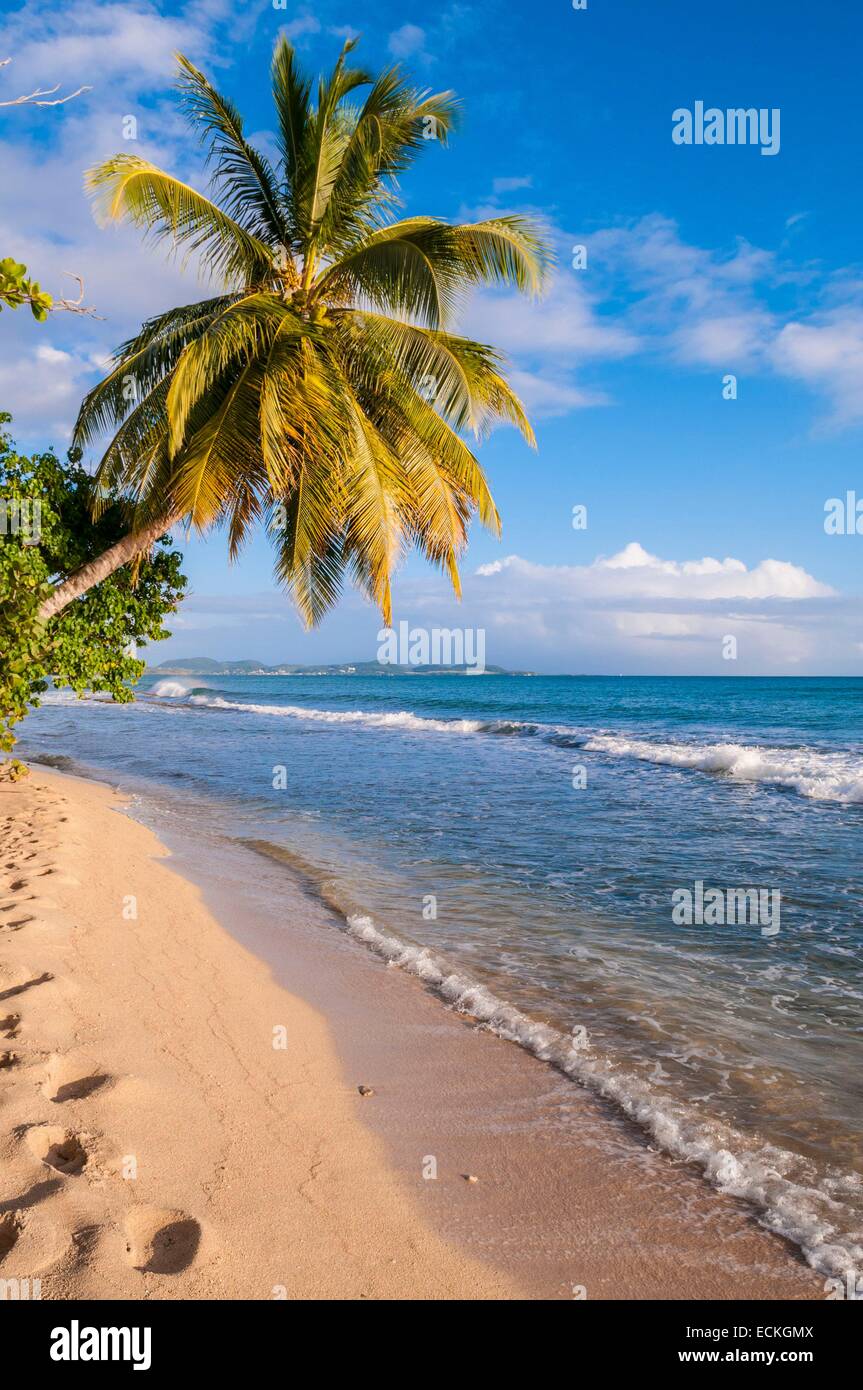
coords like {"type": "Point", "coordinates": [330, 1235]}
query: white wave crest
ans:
{"type": "Point", "coordinates": [818, 775]}
{"type": "Point", "coordinates": [391, 719]}
{"type": "Point", "coordinates": [172, 690]}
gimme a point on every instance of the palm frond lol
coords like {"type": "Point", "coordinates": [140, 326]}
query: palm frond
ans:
{"type": "Point", "coordinates": [461, 378]}
{"type": "Point", "coordinates": [309, 554]}
{"type": "Point", "coordinates": [240, 333]}
{"type": "Point", "coordinates": [301, 412]}
{"type": "Point", "coordinates": [140, 364]}
{"type": "Point", "coordinates": [413, 426]}
{"type": "Point", "coordinates": [326, 139]}
{"type": "Point", "coordinates": [423, 267]}
{"type": "Point", "coordinates": [291, 92]}
{"type": "Point", "coordinates": [166, 209]}
{"type": "Point", "coordinates": [218, 452]}
{"type": "Point", "coordinates": [385, 135]}
{"type": "Point", "coordinates": [243, 177]}
{"type": "Point", "coordinates": [374, 514]}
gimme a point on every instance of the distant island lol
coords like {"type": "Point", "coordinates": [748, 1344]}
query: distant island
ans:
{"type": "Point", "coordinates": [205, 666]}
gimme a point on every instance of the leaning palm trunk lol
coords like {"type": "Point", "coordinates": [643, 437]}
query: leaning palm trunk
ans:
{"type": "Point", "coordinates": [104, 565]}
{"type": "Point", "coordinates": [322, 393]}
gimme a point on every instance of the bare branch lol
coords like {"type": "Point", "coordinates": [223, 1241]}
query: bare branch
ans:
{"type": "Point", "coordinates": [76, 306]}
{"type": "Point", "coordinates": [73, 276]}
{"type": "Point", "coordinates": [32, 98]}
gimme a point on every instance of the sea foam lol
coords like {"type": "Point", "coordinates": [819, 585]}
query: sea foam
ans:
{"type": "Point", "coordinates": [766, 1176]}
{"type": "Point", "coordinates": [818, 775]}
{"type": "Point", "coordinates": [810, 772]}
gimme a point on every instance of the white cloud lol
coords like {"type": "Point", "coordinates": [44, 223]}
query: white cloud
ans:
{"type": "Point", "coordinates": [711, 309]}
{"type": "Point", "coordinates": [548, 341]}
{"type": "Point", "coordinates": [45, 353]}
{"type": "Point", "coordinates": [826, 353]}
{"type": "Point", "coordinates": [547, 397]}
{"type": "Point", "coordinates": [300, 28]}
{"type": "Point", "coordinates": [701, 306]}
{"type": "Point", "coordinates": [512, 185]}
{"type": "Point", "coordinates": [45, 385]}
{"type": "Point", "coordinates": [407, 42]}
{"type": "Point", "coordinates": [635, 611]}
{"type": "Point", "coordinates": [633, 573]}
{"type": "Point", "coordinates": [95, 43]}
{"type": "Point", "coordinates": [723, 340]}
{"type": "Point", "coordinates": [646, 291]}
{"type": "Point", "coordinates": [562, 328]}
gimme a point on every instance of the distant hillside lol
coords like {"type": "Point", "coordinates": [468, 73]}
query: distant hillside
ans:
{"type": "Point", "coordinates": [205, 666]}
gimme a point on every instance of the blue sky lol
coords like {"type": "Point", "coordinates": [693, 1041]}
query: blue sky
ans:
{"type": "Point", "coordinates": [705, 515]}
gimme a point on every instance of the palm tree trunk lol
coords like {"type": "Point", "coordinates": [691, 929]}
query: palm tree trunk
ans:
{"type": "Point", "coordinates": [104, 565]}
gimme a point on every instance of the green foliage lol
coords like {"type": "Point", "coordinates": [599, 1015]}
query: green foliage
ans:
{"type": "Point", "coordinates": [47, 532]}
{"type": "Point", "coordinates": [16, 289]}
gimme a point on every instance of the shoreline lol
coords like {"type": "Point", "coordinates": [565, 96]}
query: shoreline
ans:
{"type": "Point", "coordinates": [261, 1167]}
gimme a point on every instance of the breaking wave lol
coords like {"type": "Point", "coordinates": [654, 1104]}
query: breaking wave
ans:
{"type": "Point", "coordinates": [809, 772]}
{"type": "Point", "coordinates": [788, 1199]}
{"type": "Point", "coordinates": [818, 775]}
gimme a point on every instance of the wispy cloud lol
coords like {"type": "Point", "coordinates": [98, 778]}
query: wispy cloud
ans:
{"type": "Point", "coordinates": [408, 42]}
{"type": "Point", "coordinates": [825, 352]}
{"type": "Point", "coordinates": [305, 26]}
{"type": "Point", "coordinates": [512, 184]}
{"type": "Point", "coordinates": [645, 292]}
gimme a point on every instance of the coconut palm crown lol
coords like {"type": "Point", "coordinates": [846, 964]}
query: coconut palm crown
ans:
{"type": "Point", "coordinates": [321, 393]}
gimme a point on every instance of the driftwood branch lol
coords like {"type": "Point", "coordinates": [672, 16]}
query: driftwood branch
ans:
{"type": "Point", "coordinates": [76, 306]}
{"type": "Point", "coordinates": [35, 98]}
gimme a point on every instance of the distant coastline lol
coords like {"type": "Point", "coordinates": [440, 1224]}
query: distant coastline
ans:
{"type": "Point", "coordinates": [206, 666]}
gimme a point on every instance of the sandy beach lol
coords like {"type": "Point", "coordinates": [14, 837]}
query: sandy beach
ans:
{"type": "Point", "coordinates": [180, 1114]}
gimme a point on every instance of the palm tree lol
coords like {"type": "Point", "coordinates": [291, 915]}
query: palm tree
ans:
{"type": "Point", "coordinates": [321, 393]}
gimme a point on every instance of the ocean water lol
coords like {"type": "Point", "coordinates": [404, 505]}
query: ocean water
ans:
{"type": "Point", "coordinates": [517, 843]}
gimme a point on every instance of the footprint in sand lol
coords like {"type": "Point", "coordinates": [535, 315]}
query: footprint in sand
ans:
{"type": "Point", "coordinates": [73, 1077]}
{"type": "Point", "coordinates": [161, 1241]}
{"type": "Point", "coordinates": [28, 863]}
{"type": "Point", "coordinates": [10, 1229]}
{"type": "Point", "coordinates": [27, 984]}
{"type": "Point", "coordinates": [57, 880]}
{"type": "Point", "coordinates": [17, 923]}
{"type": "Point", "coordinates": [32, 1245]}
{"type": "Point", "coordinates": [30, 900]}
{"type": "Point", "coordinates": [58, 1148]}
